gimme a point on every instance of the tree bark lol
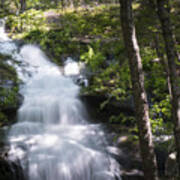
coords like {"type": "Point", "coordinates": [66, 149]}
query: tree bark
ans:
{"type": "Point", "coordinates": [2, 3]}
{"type": "Point", "coordinates": [164, 16]}
{"type": "Point", "coordinates": [163, 61]}
{"type": "Point", "coordinates": [140, 99]}
{"type": "Point", "coordinates": [56, 2]}
{"type": "Point", "coordinates": [22, 6]}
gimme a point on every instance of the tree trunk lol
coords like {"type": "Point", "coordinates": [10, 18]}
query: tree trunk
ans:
{"type": "Point", "coordinates": [140, 99]}
{"type": "Point", "coordinates": [62, 4]}
{"type": "Point", "coordinates": [159, 49]}
{"type": "Point", "coordinates": [2, 4]}
{"type": "Point", "coordinates": [163, 61]}
{"type": "Point", "coordinates": [56, 2]}
{"type": "Point", "coordinates": [22, 6]}
{"type": "Point", "coordinates": [164, 16]}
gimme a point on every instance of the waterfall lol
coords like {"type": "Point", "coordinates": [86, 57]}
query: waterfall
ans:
{"type": "Point", "coordinates": [3, 35]}
{"type": "Point", "coordinates": [53, 139]}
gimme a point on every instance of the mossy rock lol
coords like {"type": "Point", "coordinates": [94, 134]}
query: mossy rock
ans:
{"type": "Point", "coordinates": [9, 96]}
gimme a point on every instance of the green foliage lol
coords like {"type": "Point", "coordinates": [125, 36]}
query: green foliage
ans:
{"type": "Point", "coordinates": [8, 93]}
{"type": "Point", "coordinates": [155, 77]}
{"type": "Point", "coordinates": [112, 81]}
{"type": "Point", "coordinates": [70, 33]}
{"type": "Point", "coordinates": [93, 58]}
{"type": "Point", "coordinates": [123, 119]}
{"type": "Point", "coordinates": [28, 21]}
{"type": "Point", "coordinates": [8, 97]}
{"type": "Point", "coordinates": [3, 119]}
{"type": "Point", "coordinates": [94, 36]}
{"type": "Point", "coordinates": [160, 114]}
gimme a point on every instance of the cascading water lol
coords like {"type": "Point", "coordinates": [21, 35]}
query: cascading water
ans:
{"type": "Point", "coordinates": [3, 35]}
{"type": "Point", "coordinates": [52, 138]}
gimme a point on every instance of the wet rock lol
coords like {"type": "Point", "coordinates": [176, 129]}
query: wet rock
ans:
{"type": "Point", "coordinates": [19, 43]}
{"type": "Point", "coordinates": [134, 174]}
{"type": "Point", "coordinates": [171, 165]}
{"type": "Point", "coordinates": [113, 107]}
{"type": "Point", "coordinates": [125, 150]}
{"type": "Point", "coordinates": [128, 155]}
{"type": "Point", "coordinates": [163, 145]}
{"type": "Point", "coordinates": [161, 156]}
{"type": "Point", "coordinates": [10, 170]}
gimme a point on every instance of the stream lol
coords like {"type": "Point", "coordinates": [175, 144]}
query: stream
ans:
{"type": "Point", "coordinates": [53, 139]}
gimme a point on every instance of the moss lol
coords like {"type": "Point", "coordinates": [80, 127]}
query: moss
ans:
{"type": "Point", "coordinates": [3, 119]}
{"type": "Point", "coordinates": [9, 86]}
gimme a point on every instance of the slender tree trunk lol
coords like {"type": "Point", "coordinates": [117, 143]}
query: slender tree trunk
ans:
{"type": "Point", "coordinates": [63, 4]}
{"type": "Point", "coordinates": [2, 3]}
{"type": "Point", "coordinates": [163, 61]}
{"type": "Point", "coordinates": [159, 52]}
{"type": "Point", "coordinates": [56, 2]}
{"type": "Point", "coordinates": [140, 99]}
{"type": "Point", "coordinates": [23, 6]}
{"type": "Point", "coordinates": [164, 16]}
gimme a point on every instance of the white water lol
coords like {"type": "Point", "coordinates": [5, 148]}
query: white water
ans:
{"type": "Point", "coordinates": [3, 35]}
{"type": "Point", "coordinates": [52, 138]}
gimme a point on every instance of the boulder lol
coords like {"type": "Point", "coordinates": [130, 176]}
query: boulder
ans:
{"type": "Point", "coordinates": [171, 169]}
